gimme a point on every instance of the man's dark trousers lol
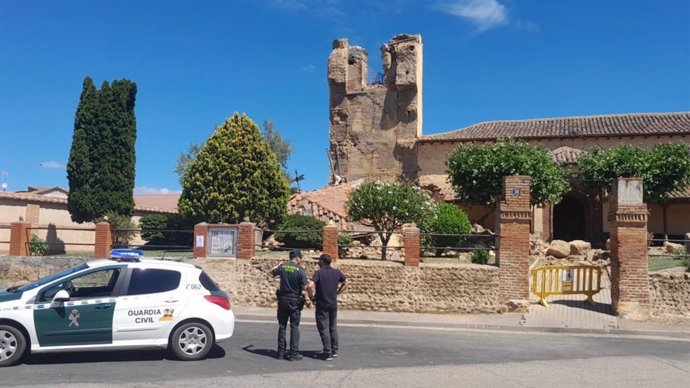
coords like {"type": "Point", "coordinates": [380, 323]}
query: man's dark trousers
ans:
{"type": "Point", "coordinates": [288, 308]}
{"type": "Point", "coordinates": [326, 323]}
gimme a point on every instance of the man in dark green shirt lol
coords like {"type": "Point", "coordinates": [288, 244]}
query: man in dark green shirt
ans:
{"type": "Point", "coordinates": [293, 280]}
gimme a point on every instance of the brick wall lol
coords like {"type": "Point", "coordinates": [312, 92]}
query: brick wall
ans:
{"type": "Point", "coordinates": [330, 241]}
{"type": "Point", "coordinates": [670, 294]}
{"type": "Point", "coordinates": [514, 219]}
{"type": "Point", "coordinates": [630, 286]}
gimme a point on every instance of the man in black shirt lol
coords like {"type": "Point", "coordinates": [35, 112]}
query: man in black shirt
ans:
{"type": "Point", "coordinates": [330, 283]}
{"type": "Point", "coordinates": [293, 280]}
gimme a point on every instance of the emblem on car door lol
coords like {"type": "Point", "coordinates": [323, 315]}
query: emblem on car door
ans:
{"type": "Point", "coordinates": [74, 318]}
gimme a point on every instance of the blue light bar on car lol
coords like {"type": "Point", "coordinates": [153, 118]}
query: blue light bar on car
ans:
{"type": "Point", "coordinates": [126, 254]}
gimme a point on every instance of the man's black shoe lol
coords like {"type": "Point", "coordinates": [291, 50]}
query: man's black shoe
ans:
{"type": "Point", "coordinates": [326, 356]}
{"type": "Point", "coordinates": [335, 353]}
{"type": "Point", "coordinates": [280, 355]}
{"type": "Point", "coordinates": [293, 357]}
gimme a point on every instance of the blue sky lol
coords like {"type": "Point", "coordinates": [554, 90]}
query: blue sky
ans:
{"type": "Point", "coordinates": [197, 62]}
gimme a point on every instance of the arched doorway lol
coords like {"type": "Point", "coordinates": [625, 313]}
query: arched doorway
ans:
{"type": "Point", "coordinates": [569, 219]}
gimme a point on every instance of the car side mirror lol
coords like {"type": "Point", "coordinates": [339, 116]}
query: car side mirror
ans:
{"type": "Point", "coordinates": [61, 296]}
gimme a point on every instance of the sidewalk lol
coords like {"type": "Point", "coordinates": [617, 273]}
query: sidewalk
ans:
{"type": "Point", "coordinates": [568, 314]}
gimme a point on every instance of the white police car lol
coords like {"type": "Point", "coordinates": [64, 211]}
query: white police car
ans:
{"type": "Point", "coordinates": [122, 303]}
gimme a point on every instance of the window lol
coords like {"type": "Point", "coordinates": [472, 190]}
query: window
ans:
{"type": "Point", "coordinates": [207, 282]}
{"type": "Point", "coordinates": [91, 285]}
{"type": "Point", "coordinates": [152, 280]}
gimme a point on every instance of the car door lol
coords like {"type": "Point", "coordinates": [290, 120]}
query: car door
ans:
{"type": "Point", "coordinates": [150, 304]}
{"type": "Point", "coordinates": [87, 317]}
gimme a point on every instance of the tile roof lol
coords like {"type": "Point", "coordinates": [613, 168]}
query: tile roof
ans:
{"type": "Point", "coordinates": [326, 204]}
{"type": "Point", "coordinates": [566, 155]}
{"type": "Point", "coordinates": [572, 127]}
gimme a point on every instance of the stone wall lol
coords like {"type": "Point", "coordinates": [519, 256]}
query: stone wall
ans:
{"type": "Point", "coordinates": [374, 285]}
{"type": "Point", "coordinates": [670, 294]}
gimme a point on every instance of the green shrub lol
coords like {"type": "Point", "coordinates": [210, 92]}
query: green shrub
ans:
{"type": "Point", "coordinates": [480, 255]}
{"type": "Point", "coordinates": [123, 227]}
{"type": "Point", "coordinates": [344, 240]}
{"type": "Point", "coordinates": [38, 246]}
{"type": "Point", "coordinates": [298, 231]}
{"type": "Point", "coordinates": [448, 220]}
{"type": "Point", "coordinates": [150, 224]}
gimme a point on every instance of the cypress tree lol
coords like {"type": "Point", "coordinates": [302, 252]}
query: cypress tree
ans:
{"type": "Point", "coordinates": [235, 175]}
{"type": "Point", "coordinates": [101, 164]}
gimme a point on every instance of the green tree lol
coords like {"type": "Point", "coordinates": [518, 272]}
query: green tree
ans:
{"type": "Point", "coordinates": [663, 169]}
{"type": "Point", "coordinates": [100, 169]}
{"type": "Point", "coordinates": [280, 147]}
{"type": "Point", "coordinates": [185, 159]}
{"type": "Point", "coordinates": [235, 175]}
{"type": "Point", "coordinates": [447, 226]}
{"type": "Point", "coordinates": [387, 206]}
{"type": "Point", "coordinates": [476, 172]}
{"type": "Point", "coordinates": [123, 228]}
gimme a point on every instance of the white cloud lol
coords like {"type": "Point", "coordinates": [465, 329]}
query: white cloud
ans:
{"type": "Point", "coordinates": [51, 164]}
{"type": "Point", "coordinates": [154, 190]}
{"type": "Point", "coordinates": [308, 68]}
{"type": "Point", "coordinates": [484, 14]}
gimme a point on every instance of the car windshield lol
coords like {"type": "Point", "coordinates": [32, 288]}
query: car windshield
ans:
{"type": "Point", "coordinates": [48, 279]}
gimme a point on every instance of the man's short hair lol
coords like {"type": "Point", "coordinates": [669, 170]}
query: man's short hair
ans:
{"type": "Point", "coordinates": [295, 253]}
{"type": "Point", "coordinates": [325, 258]}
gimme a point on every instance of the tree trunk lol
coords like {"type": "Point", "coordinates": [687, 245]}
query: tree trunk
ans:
{"type": "Point", "coordinates": [664, 206]}
{"type": "Point", "coordinates": [385, 237]}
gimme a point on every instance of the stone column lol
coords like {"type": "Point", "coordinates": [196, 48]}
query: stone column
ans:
{"type": "Point", "coordinates": [20, 233]}
{"type": "Point", "coordinates": [411, 244]}
{"type": "Point", "coordinates": [330, 241]}
{"type": "Point", "coordinates": [246, 246]}
{"type": "Point", "coordinates": [514, 218]}
{"type": "Point", "coordinates": [104, 241]}
{"type": "Point", "coordinates": [629, 269]}
{"type": "Point", "coordinates": [200, 240]}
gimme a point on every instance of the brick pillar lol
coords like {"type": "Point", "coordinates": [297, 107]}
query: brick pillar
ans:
{"type": "Point", "coordinates": [411, 244]}
{"type": "Point", "coordinates": [104, 241]}
{"type": "Point", "coordinates": [330, 241]}
{"type": "Point", "coordinates": [20, 235]}
{"type": "Point", "coordinates": [514, 218]}
{"type": "Point", "coordinates": [246, 246]}
{"type": "Point", "coordinates": [200, 240]}
{"type": "Point", "coordinates": [629, 271]}
{"type": "Point", "coordinates": [547, 219]}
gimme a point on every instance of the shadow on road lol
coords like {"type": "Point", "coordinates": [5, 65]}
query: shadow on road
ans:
{"type": "Point", "coordinates": [110, 356]}
{"type": "Point", "coordinates": [272, 353]}
{"type": "Point", "coordinates": [604, 308]}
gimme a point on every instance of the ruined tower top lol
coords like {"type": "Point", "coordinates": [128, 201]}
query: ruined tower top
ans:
{"type": "Point", "coordinates": [374, 125]}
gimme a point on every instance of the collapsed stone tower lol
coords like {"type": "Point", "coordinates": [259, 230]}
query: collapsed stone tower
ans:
{"type": "Point", "coordinates": [374, 125]}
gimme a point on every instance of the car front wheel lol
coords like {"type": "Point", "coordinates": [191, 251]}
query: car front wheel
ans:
{"type": "Point", "coordinates": [191, 341]}
{"type": "Point", "coordinates": [12, 345]}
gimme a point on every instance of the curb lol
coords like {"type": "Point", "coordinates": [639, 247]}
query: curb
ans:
{"type": "Point", "coordinates": [677, 335]}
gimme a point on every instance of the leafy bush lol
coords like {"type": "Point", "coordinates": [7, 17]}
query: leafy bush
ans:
{"type": "Point", "coordinates": [480, 255]}
{"type": "Point", "coordinates": [307, 231]}
{"type": "Point", "coordinates": [38, 246]}
{"type": "Point", "coordinates": [167, 230]}
{"type": "Point", "coordinates": [448, 220]}
{"type": "Point", "coordinates": [123, 227]}
{"type": "Point", "coordinates": [343, 239]}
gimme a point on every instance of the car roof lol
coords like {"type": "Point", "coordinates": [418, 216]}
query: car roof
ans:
{"type": "Point", "coordinates": [143, 263]}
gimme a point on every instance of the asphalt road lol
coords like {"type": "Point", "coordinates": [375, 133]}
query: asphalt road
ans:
{"type": "Point", "coordinates": [375, 356]}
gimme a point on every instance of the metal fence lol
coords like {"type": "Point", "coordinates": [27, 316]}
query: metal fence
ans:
{"type": "Point", "coordinates": [162, 243]}
{"type": "Point", "coordinates": [664, 256]}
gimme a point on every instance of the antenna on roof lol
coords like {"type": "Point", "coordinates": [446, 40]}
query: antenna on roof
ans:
{"type": "Point", "coordinates": [297, 179]}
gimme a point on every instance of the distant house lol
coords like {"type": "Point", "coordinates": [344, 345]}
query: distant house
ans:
{"type": "Point", "coordinates": [46, 209]}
